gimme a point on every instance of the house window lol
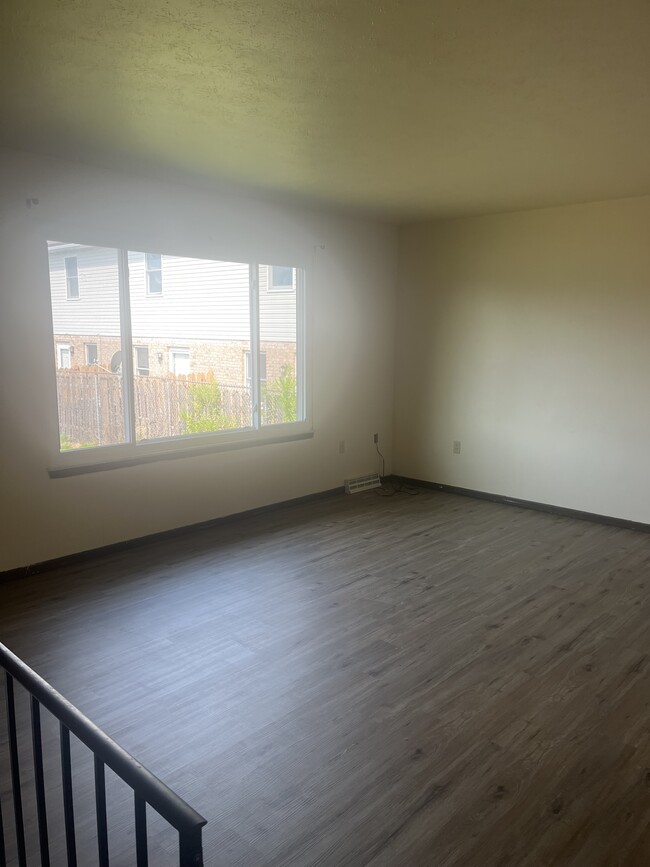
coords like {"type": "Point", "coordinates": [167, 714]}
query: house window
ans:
{"type": "Point", "coordinates": [179, 362]}
{"type": "Point", "coordinates": [281, 278]}
{"type": "Point", "coordinates": [142, 360]}
{"type": "Point", "coordinates": [91, 353]}
{"type": "Point", "coordinates": [211, 314]}
{"type": "Point", "coordinates": [248, 368]}
{"type": "Point", "coordinates": [153, 267]}
{"type": "Point", "coordinates": [63, 356]}
{"type": "Point", "coordinates": [71, 277]}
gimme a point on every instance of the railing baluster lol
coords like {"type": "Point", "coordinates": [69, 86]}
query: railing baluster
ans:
{"type": "Point", "coordinates": [100, 805]}
{"type": "Point", "coordinates": [190, 848]}
{"type": "Point", "coordinates": [68, 802]}
{"type": "Point", "coordinates": [3, 855]}
{"type": "Point", "coordinates": [15, 771]}
{"type": "Point", "coordinates": [39, 783]}
{"type": "Point", "coordinates": [142, 857]}
{"type": "Point", "coordinates": [148, 790]}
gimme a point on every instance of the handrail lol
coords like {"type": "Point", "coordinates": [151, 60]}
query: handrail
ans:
{"type": "Point", "coordinates": [147, 787]}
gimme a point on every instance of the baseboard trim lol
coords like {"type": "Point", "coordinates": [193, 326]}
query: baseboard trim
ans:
{"type": "Point", "coordinates": [530, 504]}
{"type": "Point", "coordinates": [84, 556]}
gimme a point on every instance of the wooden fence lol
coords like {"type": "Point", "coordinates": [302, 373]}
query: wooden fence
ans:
{"type": "Point", "coordinates": [91, 408]}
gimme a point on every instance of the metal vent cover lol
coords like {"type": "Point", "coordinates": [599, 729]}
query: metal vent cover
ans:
{"type": "Point", "coordinates": [362, 483]}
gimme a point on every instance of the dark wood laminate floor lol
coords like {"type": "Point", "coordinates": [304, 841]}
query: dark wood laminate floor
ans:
{"type": "Point", "coordinates": [426, 680]}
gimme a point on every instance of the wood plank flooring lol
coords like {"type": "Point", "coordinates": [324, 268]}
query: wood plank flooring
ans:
{"type": "Point", "coordinates": [365, 680]}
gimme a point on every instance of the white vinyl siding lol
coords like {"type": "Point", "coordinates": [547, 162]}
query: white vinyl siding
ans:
{"type": "Point", "coordinates": [97, 310]}
{"type": "Point", "coordinates": [277, 310]}
{"type": "Point", "coordinates": [213, 308]}
{"type": "Point", "coordinates": [203, 299]}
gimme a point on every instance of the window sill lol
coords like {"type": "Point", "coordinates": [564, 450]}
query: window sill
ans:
{"type": "Point", "coordinates": [146, 453]}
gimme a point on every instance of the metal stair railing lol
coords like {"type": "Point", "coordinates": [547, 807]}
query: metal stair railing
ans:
{"type": "Point", "coordinates": [147, 788]}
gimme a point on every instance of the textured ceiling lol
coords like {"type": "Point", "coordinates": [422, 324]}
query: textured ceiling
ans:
{"type": "Point", "coordinates": [404, 109]}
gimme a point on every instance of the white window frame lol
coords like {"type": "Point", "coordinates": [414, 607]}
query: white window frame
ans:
{"type": "Point", "coordinates": [149, 271]}
{"type": "Point", "coordinates": [177, 352]}
{"type": "Point", "coordinates": [271, 287]}
{"type": "Point", "coordinates": [132, 451]}
{"type": "Point", "coordinates": [60, 349]}
{"type": "Point", "coordinates": [69, 278]}
{"type": "Point", "coordinates": [248, 367]}
{"type": "Point", "coordinates": [137, 349]}
{"type": "Point", "coordinates": [86, 353]}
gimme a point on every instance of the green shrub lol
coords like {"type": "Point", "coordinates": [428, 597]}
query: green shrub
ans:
{"type": "Point", "coordinates": [280, 398]}
{"type": "Point", "coordinates": [205, 412]}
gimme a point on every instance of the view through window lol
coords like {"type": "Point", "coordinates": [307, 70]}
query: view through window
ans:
{"type": "Point", "coordinates": [212, 346]}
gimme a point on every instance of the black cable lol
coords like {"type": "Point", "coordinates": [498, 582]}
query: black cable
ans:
{"type": "Point", "coordinates": [383, 462]}
{"type": "Point", "coordinates": [401, 488]}
{"type": "Point", "coordinates": [397, 487]}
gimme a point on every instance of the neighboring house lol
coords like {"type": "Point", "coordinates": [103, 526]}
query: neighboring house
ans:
{"type": "Point", "coordinates": [189, 316]}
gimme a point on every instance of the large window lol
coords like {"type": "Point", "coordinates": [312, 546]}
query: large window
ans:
{"type": "Point", "coordinates": [219, 353]}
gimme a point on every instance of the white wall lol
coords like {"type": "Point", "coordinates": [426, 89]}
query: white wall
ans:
{"type": "Point", "coordinates": [527, 337]}
{"type": "Point", "coordinates": [351, 301]}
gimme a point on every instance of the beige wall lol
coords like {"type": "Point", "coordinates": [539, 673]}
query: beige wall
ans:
{"type": "Point", "coordinates": [527, 337]}
{"type": "Point", "coordinates": [351, 307]}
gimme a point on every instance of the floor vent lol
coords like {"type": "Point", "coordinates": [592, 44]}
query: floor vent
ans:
{"type": "Point", "coordinates": [362, 483]}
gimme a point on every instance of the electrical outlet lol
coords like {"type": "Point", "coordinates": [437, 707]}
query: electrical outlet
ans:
{"type": "Point", "coordinates": [375, 438]}
{"type": "Point", "coordinates": [341, 447]}
{"type": "Point", "coordinates": [456, 447]}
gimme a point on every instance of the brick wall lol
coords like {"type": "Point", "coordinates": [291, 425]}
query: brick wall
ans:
{"type": "Point", "coordinates": [225, 359]}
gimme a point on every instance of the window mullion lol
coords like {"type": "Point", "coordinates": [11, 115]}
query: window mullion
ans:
{"type": "Point", "coordinates": [126, 346]}
{"type": "Point", "coordinates": [256, 397]}
{"type": "Point", "coordinates": [301, 361]}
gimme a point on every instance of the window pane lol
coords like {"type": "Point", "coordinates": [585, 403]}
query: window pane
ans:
{"type": "Point", "coordinates": [179, 362]}
{"type": "Point", "coordinates": [72, 276]}
{"type": "Point", "coordinates": [142, 360]}
{"type": "Point", "coordinates": [64, 357]}
{"type": "Point", "coordinates": [153, 262]}
{"type": "Point", "coordinates": [197, 335]}
{"type": "Point", "coordinates": [91, 409]}
{"type": "Point", "coordinates": [91, 353]}
{"type": "Point", "coordinates": [154, 282]}
{"type": "Point", "coordinates": [281, 277]}
{"type": "Point", "coordinates": [278, 344]}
